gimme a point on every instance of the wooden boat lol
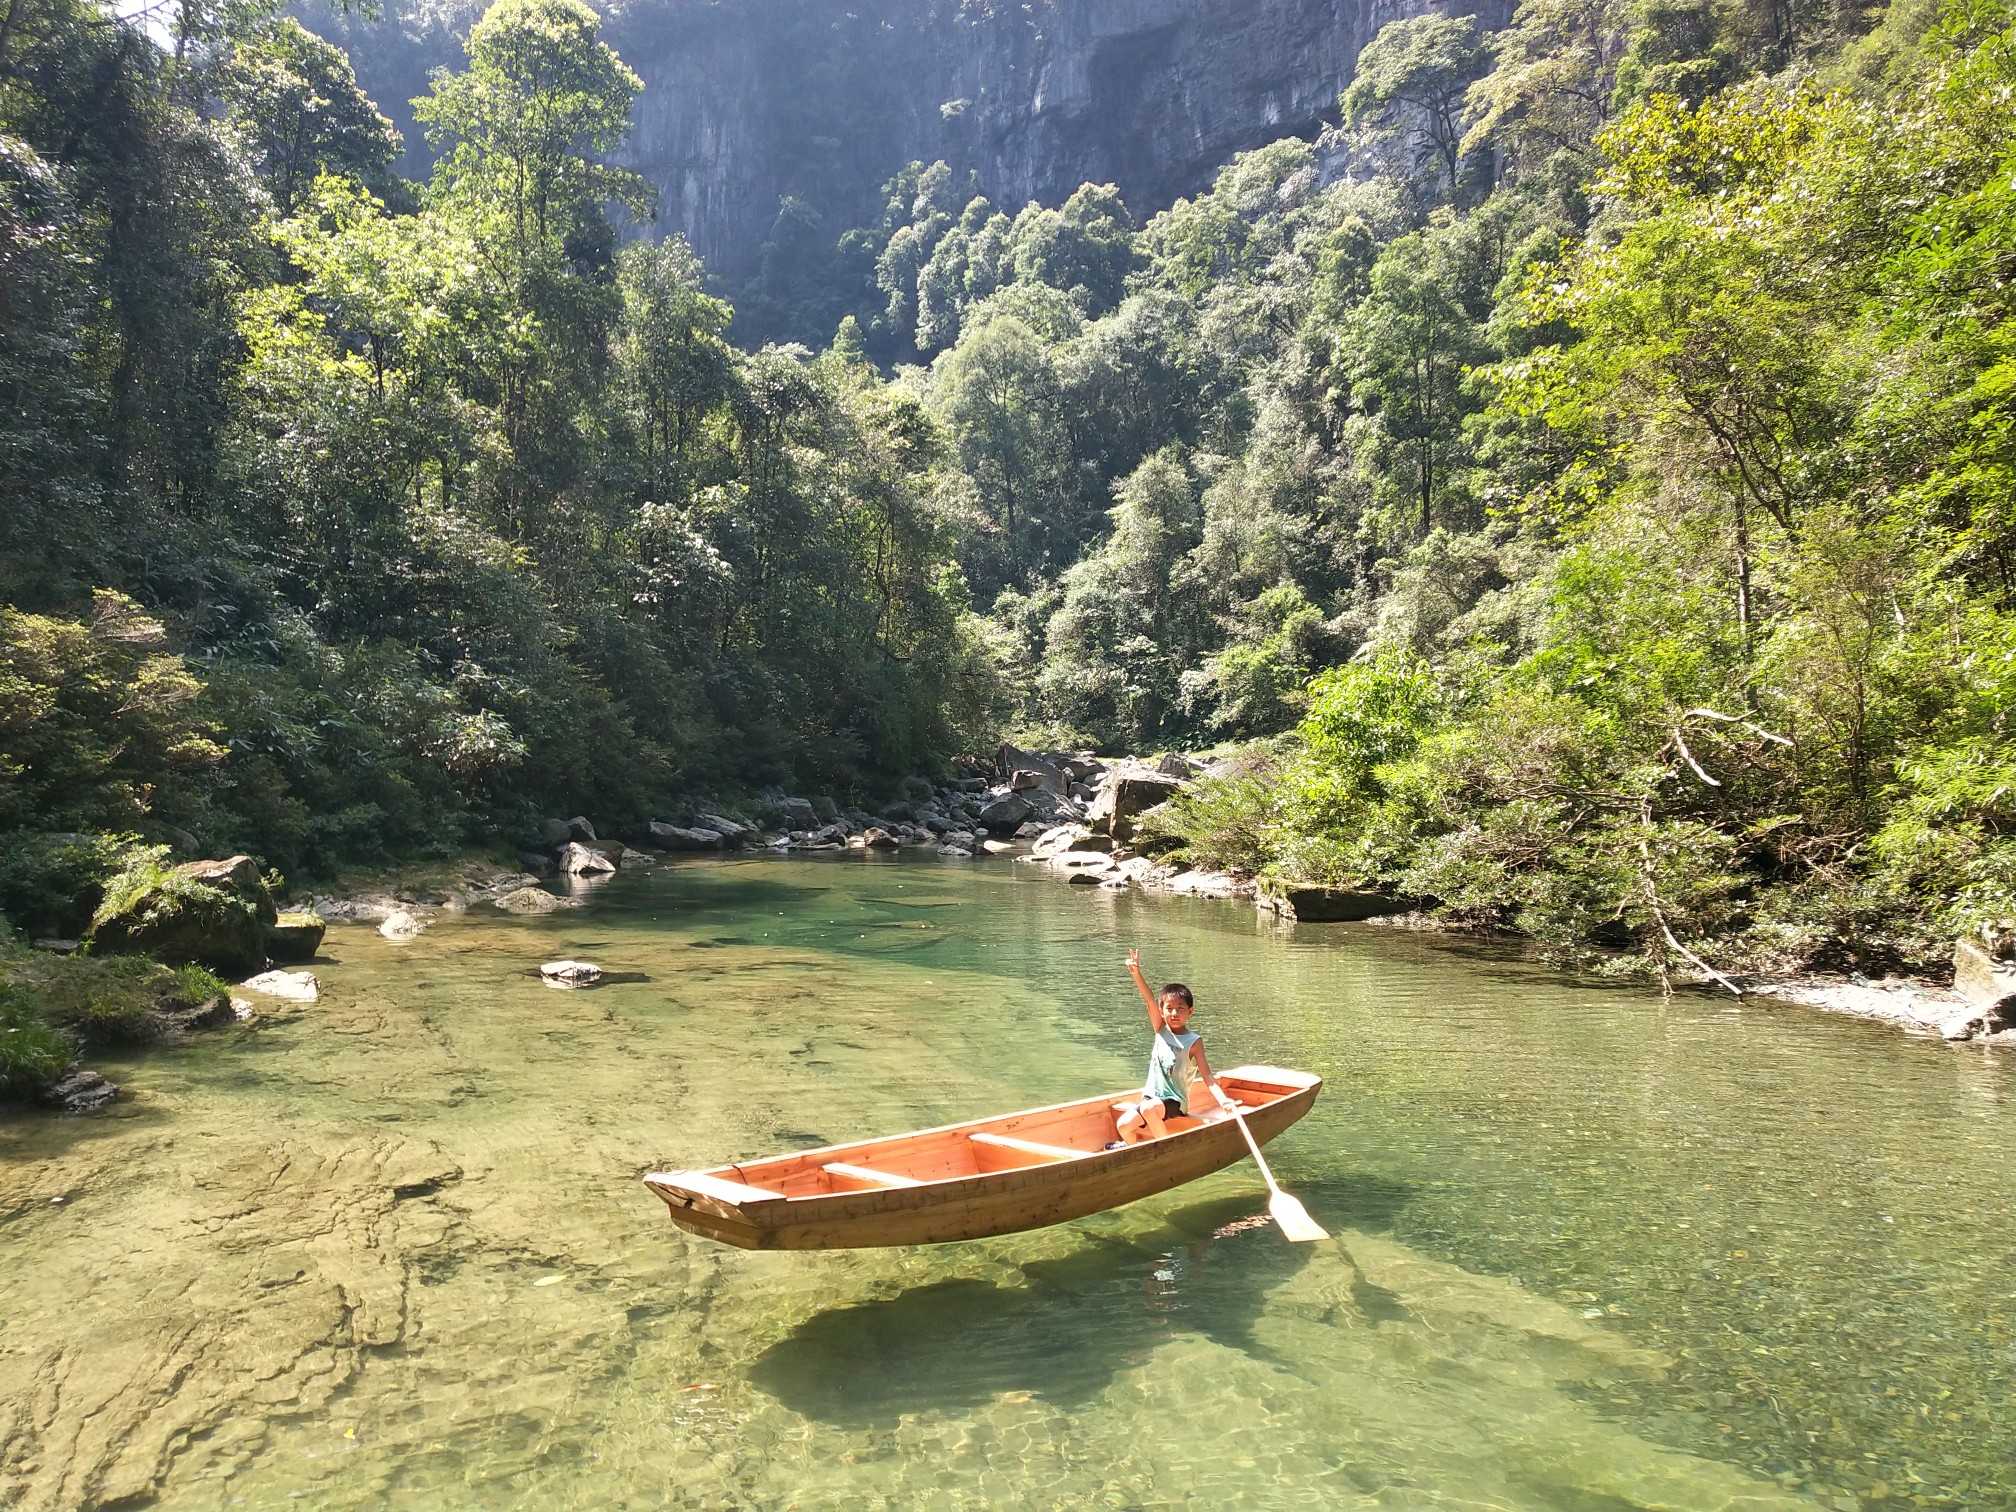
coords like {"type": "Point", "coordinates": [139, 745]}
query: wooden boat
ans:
{"type": "Point", "coordinates": [969, 1180]}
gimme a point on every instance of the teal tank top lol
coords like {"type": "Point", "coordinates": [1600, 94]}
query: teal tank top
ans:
{"type": "Point", "coordinates": [1166, 1075]}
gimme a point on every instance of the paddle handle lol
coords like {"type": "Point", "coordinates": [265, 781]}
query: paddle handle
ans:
{"type": "Point", "coordinates": [1238, 1117]}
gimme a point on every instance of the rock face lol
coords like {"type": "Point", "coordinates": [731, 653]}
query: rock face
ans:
{"type": "Point", "coordinates": [747, 103]}
{"type": "Point", "coordinates": [210, 913]}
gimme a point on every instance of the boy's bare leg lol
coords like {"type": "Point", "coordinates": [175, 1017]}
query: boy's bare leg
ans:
{"type": "Point", "coordinates": [1141, 1123]}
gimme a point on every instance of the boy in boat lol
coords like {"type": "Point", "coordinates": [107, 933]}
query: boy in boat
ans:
{"type": "Point", "coordinates": [1166, 1094]}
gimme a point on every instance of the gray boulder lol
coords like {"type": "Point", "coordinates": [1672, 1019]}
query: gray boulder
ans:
{"type": "Point", "coordinates": [1127, 796]}
{"type": "Point", "coordinates": [578, 828]}
{"type": "Point", "coordinates": [294, 937]}
{"type": "Point", "coordinates": [673, 837]}
{"type": "Point", "coordinates": [1006, 812]}
{"type": "Point", "coordinates": [1984, 973]}
{"type": "Point", "coordinates": [210, 913]}
{"type": "Point", "coordinates": [1330, 905]}
{"type": "Point", "coordinates": [731, 831]}
{"type": "Point", "coordinates": [877, 838]}
{"type": "Point", "coordinates": [577, 860]}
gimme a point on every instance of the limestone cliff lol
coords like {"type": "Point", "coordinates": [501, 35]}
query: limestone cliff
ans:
{"type": "Point", "coordinates": [747, 101]}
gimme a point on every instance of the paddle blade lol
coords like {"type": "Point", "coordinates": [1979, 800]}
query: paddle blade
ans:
{"type": "Point", "coordinates": [1293, 1219]}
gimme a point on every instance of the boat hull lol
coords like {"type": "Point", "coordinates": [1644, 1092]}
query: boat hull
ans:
{"type": "Point", "coordinates": [769, 1204]}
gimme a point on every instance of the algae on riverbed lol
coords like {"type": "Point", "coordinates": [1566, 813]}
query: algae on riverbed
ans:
{"type": "Point", "coordinates": [390, 1252]}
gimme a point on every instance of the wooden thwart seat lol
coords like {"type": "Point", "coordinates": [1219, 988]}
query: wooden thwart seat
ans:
{"type": "Point", "coordinates": [872, 1177]}
{"type": "Point", "coordinates": [1027, 1146]}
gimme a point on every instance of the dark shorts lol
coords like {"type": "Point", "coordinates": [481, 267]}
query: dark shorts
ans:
{"type": "Point", "coordinates": [1171, 1108]}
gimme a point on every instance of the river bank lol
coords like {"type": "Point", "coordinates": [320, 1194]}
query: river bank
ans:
{"type": "Point", "coordinates": [403, 906]}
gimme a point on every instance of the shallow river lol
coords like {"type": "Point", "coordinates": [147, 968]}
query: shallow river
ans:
{"type": "Point", "coordinates": [1594, 1251]}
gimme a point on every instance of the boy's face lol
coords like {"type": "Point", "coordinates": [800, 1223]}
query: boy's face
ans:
{"type": "Point", "coordinates": [1175, 1012]}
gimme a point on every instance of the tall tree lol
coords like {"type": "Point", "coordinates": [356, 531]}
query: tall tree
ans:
{"type": "Point", "coordinates": [1421, 70]}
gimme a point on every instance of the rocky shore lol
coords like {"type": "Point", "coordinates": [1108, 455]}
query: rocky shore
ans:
{"type": "Point", "coordinates": [1070, 814]}
{"type": "Point", "coordinates": [1076, 817]}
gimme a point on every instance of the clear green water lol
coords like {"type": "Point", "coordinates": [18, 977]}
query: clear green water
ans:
{"type": "Point", "coordinates": [1595, 1252]}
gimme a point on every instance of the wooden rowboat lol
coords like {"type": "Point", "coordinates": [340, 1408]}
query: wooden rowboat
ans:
{"type": "Point", "coordinates": [969, 1180]}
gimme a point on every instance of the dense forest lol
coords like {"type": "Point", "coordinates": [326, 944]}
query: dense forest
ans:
{"type": "Point", "coordinates": [1576, 489]}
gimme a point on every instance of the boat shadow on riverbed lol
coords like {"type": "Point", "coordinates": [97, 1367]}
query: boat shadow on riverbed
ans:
{"type": "Point", "coordinates": [1068, 1328]}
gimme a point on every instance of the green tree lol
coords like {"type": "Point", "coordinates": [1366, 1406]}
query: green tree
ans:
{"type": "Point", "coordinates": [525, 127]}
{"type": "Point", "coordinates": [294, 101]}
{"type": "Point", "coordinates": [1406, 350]}
{"type": "Point", "coordinates": [1419, 70]}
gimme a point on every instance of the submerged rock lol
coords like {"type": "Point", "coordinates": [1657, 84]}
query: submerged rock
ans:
{"type": "Point", "coordinates": [533, 900]}
{"type": "Point", "coordinates": [295, 986]}
{"type": "Point", "coordinates": [402, 925]}
{"type": "Point", "coordinates": [82, 1091]}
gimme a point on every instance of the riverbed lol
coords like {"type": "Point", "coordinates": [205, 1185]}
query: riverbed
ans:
{"type": "Point", "coordinates": [1594, 1249]}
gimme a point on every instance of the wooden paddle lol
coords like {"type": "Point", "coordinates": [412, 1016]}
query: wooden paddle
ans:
{"type": "Point", "coordinates": [1286, 1211]}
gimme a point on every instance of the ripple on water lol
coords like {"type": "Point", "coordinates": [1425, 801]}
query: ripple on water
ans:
{"type": "Point", "coordinates": [1595, 1250]}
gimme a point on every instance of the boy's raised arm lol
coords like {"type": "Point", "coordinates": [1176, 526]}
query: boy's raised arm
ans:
{"type": "Point", "coordinates": [1147, 996]}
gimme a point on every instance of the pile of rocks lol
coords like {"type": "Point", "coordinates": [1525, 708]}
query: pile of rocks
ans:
{"type": "Point", "coordinates": [995, 807]}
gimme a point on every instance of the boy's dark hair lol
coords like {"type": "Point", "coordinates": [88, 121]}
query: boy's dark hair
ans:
{"type": "Point", "coordinates": [1178, 990]}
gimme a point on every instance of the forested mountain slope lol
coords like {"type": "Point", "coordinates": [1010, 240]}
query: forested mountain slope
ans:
{"type": "Point", "coordinates": [767, 121]}
{"type": "Point", "coordinates": [1577, 483]}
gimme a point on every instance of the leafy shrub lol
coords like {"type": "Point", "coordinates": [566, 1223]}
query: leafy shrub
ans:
{"type": "Point", "coordinates": [32, 1053]}
{"type": "Point", "coordinates": [53, 883]}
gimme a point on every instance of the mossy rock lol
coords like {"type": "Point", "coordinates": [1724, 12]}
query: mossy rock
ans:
{"type": "Point", "coordinates": [295, 937]}
{"type": "Point", "coordinates": [208, 913]}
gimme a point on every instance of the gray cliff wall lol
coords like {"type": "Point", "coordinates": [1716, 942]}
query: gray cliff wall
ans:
{"type": "Point", "coordinates": [748, 101]}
